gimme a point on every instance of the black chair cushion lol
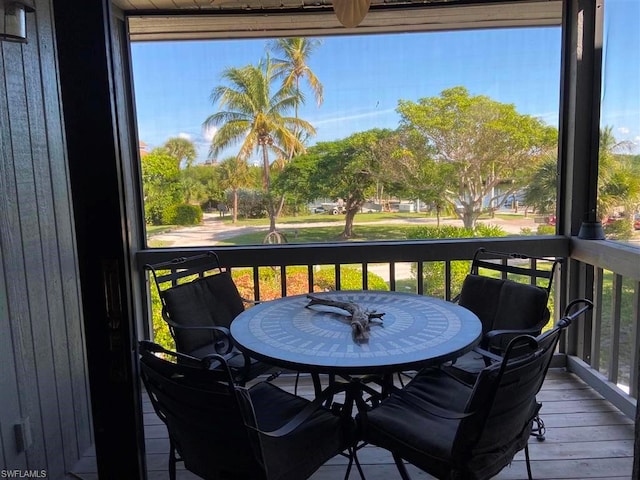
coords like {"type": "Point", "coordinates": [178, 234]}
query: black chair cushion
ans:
{"type": "Point", "coordinates": [504, 304]}
{"type": "Point", "coordinates": [203, 419]}
{"type": "Point", "coordinates": [303, 451]}
{"type": "Point", "coordinates": [211, 300]}
{"type": "Point", "coordinates": [500, 305]}
{"type": "Point", "coordinates": [436, 423]}
{"type": "Point", "coordinates": [221, 430]}
{"type": "Point", "coordinates": [399, 425]}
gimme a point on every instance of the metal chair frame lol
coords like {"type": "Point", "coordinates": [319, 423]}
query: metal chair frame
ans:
{"type": "Point", "coordinates": [180, 270]}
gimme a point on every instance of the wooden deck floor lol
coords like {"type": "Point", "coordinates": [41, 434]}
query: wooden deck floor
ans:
{"type": "Point", "coordinates": [587, 438]}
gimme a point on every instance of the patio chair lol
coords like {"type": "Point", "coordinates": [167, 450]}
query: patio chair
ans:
{"type": "Point", "coordinates": [452, 430]}
{"type": "Point", "coordinates": [512, 304]}
{"type": "Point", "coordinates": [199, 302]}
{"type": "Point", "coordinates": [221, 430]}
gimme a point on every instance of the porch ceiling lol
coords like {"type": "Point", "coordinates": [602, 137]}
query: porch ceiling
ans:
{"type": "Point", "coordinates": [204, 19]}
{"type": "Point", "coordinates": [216, 5]}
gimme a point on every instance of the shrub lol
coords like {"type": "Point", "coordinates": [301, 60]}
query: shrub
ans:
{"type": "Point", "coordinates": [251, 203]}
{"type": "Point", "coordinates": [483, 230]}
{"type": "Point", "coordinates": [433, 276]}
{"type": "Point", "coordinates": [350, 279]}
{"type": "Point", "coordinates": [546, 230]}
{"type": "Point", "coordinates": [298, 283]}
{"type": "Point", "coordinates": [182, 214]}
{"type": "Point", "coordinates": [619, 230]}
{"type": "Point", "coordinates": [161, 185]}
{"type": "Point", "coordinates": [443, 231]}
{"type": "Point", "coordinates": [161, 333]}
{"type": "Point", "coordinates": [434, 272]}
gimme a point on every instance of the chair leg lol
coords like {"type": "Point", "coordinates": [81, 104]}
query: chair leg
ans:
{"type": "Point", "coordinates": [172, 461]}
{"type": "Point", "coordinates": [353, 458]}
{"type": "Point", "coordinates": [402, 470]}
{"type": "Point", "coordinates": [350, 456]}
{"type": "Point", "coordinates": [538, 430]}
{"type": "Point", "coordinates": [528, 461]}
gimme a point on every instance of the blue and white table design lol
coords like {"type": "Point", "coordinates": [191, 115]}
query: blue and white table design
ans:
{"type": "Point", "coordinates": [416, 331]}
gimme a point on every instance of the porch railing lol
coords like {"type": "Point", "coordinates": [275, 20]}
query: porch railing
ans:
{"type": "Point", "coordinates": [603, 351]}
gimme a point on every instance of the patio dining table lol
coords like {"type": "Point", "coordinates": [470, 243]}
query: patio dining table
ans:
{"type": "Point", "coordinates": [415, 331]}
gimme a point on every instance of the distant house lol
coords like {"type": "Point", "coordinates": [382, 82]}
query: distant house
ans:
{"type": "Point", "coordinates": [143, 148]}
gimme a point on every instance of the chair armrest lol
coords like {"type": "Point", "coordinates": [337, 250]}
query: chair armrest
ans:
{"type": "Point", "coordinates": [213, 360]}
{"type": "Point", "coordinates": [493, 334]}
{"type": "Point", "coordinates": [487, 355]}
{"type": "Point", "coordinates": [224, 344]}
{"type": "Point", "coordinates": [498, 340]}
{"type": "Point", "coordinates": [250, 302]}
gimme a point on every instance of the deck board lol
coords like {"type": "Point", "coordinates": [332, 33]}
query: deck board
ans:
{"type": "Point", "coordinates": [587, 438]}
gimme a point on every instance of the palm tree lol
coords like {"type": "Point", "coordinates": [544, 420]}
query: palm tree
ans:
{"type": "Point", "coordinates": [615, 184]}
{"type": "Point", "coordinates": [181, 149]}
{"type": "Point", "coordinates": [292, 66]}
{"type": "Point", "coordinates": [234, 174]}
{"type": "Point", "coordinates": [541, 192]}
{"type": "Point", "coordinates": [254, 116]}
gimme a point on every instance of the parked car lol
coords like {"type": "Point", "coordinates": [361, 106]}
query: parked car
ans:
{"type": "Point", "coordinates": [370, 207]}
{"type": "Point", "coordinates": [332, 208]}
{"type": "Point", "coordinates": [636, 221]}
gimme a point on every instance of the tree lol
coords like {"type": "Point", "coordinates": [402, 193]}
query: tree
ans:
{"type": "Point", "coordinates": [294, 181]}
{"type": "Point", "coordinates": [252, 114]}
{"type": "Point", "coordinates": [618, 183]}
{"type": "Point", "coordinates": [542, 188]}
{"type": "Point", "coordinates": [161, 184]}
{"type": "Point", "coordinates": [488, 143]}
{"type": "Point", "coordinates": [234, 174]}
{"type": "Point", "coordinates": [293, 67]}
{"type": "Point", "coordinates": [193, 189]}
{"type": "Point", "coordinates": [411, 172]}
{"type": "Point", "coordinates": [345, 169]}
{"type": "Point", "coordinates": [182, 150]}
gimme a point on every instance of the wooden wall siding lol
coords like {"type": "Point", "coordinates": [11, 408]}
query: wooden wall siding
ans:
{"type": "Point", "coordinates": [42, 350]}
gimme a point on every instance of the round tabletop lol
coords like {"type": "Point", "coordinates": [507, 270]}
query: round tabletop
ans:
{"type": "Point", "coordinates": [416, 331]}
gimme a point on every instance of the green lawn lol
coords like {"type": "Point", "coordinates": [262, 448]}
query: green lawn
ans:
{"type": "Point", "coordinates": [322, 217]}
{"type": "Point", "coordinates": [325, 234]}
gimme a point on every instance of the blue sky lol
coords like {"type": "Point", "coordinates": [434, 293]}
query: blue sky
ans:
{"type": "Point", "coordinates": [365, 76]}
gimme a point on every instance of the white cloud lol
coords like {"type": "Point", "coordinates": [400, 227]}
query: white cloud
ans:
{"type": "Point", "coordinates": [549, 118]}
{"type": "Point", "coordinates": [358, 116]}
{"type": "Point", "coordinates": [209, 132]}
{"type": "Point", "coordinates": [623, 130]}
{"type": "Point", "coordinates": [186, 136]}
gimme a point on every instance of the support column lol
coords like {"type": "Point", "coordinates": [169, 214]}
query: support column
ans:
{"type": "Point", "coordinates": [579, 142]}
{"type": "Point", "coordinates": [90, 60]}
